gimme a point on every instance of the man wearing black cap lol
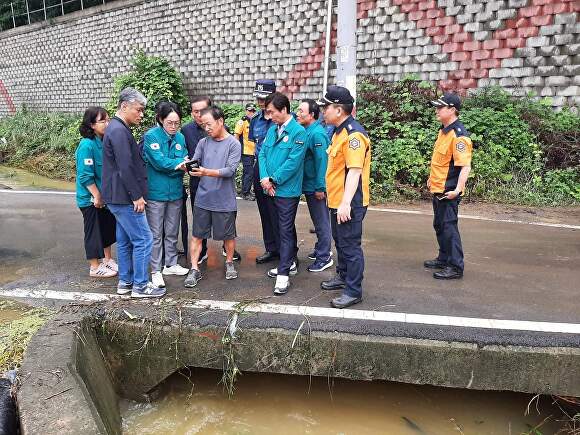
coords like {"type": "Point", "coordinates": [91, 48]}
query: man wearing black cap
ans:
{"type": "Point", "coordinates": [242, 131]}
{"type": "Point", "coordinates": [259, 126]}
{"type": "Point", "coordinates": [347, 186]}
{"type": "Point", "coordinates": [450, 167]}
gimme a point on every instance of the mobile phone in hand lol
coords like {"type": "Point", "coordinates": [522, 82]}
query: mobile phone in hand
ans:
{"type": "Point", "coordinates": [191, 165]}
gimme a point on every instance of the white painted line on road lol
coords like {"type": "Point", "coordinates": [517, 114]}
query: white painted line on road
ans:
{"type": "Point", "coordinates": [380, 210]}
{"type": "Point", "coordinates": [36, 192]}
{"type": "Point", "coordinates": [301, 310]}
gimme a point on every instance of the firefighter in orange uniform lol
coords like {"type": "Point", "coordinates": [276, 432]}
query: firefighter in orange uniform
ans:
{"type": "Point", "coordinates": [347, 186]}
{"type": "Point", "coordinates": [450, 167]}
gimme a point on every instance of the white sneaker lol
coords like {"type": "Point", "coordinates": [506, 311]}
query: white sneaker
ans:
{"type": "Point", "coordinates": [157, 279]}
{"type": "Point", "coordinates": [273, 273]}
{"type": "Point", "coordinates": [111, 265]}
{"type": "Point", "coordinates": [176, 269]}
{"type": "Point", "coordinates": [102, 271]}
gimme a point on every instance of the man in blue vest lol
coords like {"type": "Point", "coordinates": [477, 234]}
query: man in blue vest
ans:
{"type": "Point", "coordinates": [281, 161]}
{"type": "Point", "coordinates": [259, 126]}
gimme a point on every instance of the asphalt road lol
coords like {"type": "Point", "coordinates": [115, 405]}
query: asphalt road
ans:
{"type": "Point", "coordinates": [513, 271]}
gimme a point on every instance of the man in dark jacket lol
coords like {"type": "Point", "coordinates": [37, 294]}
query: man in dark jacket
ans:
{"type": "Point", "coordinates": [124, 188]}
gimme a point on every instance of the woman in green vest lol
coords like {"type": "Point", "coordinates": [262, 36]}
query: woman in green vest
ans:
{"type": "Point", "coordinates": [164, 151]}
{"type": "Point", "coordinates": [99, 222]}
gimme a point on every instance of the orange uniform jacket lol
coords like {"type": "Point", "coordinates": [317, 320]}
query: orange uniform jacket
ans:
{"type": "Point", "coordinates": [452, 151]}
{"type": "Point", "coordinates": [350, 148]}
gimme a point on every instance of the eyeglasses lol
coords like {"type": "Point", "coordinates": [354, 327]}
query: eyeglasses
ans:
{"type": "Point", "coordinates": [102, 121]}
{"type": "Point", "coordinates": [172, 123]}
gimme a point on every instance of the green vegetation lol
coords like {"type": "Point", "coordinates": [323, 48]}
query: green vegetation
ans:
{"type": "Point", "coordinates": [155, 78]}
{"type": "Point", "coordinates": [525, 152]}
{"type": "Point", "coordinates": [15, 335]}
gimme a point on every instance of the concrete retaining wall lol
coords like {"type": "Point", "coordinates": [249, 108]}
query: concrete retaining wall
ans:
{"type": "Point", "coordinates": [221, 47]}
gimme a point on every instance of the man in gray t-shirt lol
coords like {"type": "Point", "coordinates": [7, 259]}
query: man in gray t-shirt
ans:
{"type": "Point", "coordinates": [215, 207]}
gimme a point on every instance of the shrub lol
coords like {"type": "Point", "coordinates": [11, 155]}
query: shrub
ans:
{"type": "Point", "coordinates": [157, 80]}
{"type": "Point", "coordinates": [524, 151]}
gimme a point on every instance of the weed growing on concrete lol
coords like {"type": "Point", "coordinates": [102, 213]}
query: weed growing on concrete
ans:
{"type": "Point", "coordinates": [15, 335]}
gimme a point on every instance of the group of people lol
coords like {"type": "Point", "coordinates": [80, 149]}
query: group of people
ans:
{"type": "Point", "coordinates": [133, 193]}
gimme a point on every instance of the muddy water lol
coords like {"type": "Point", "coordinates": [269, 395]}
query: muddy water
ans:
{"type": "Point", "coordinates": [282, 405]}
{"type": "Point", "coordinates": [19, 179]}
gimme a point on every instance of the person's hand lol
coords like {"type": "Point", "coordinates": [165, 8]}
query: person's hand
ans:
{"type": "Point", "coordinates": [98, 201]}
{"type": "Point", "coordinates": [271, 191]}
{"type": "Point", "coordinates": [452, 194]}
{"type": "Point", "coordinates": [320, 195]}
{"type": "Point", "coordinates": [429, 183]}
{"type": "Point", "coordinates": [181, 167]}
{"type": "Point", "coordinates": [198, 172]}
{"type": "Point", "coordinates": [139, 205]}
{"type": "Point", "coordinates": [266, 183]}
{"type": "Point", "coordinates": [343, 213]}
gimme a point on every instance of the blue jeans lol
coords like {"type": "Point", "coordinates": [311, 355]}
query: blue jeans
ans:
{"type": "Point", "coordinates": [320, 216]}
{"type": "Point", "coordinates": [134, 243]}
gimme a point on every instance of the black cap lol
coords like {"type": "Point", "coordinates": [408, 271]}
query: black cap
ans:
{"type": "Point", "coordinates": [251, 106]}
{"type": "Point", "coordinates": [264, 87]}
{"type": "Point", "coordinates": [448, 100]}
{"type": "Point", "coordinates": [336, 95]}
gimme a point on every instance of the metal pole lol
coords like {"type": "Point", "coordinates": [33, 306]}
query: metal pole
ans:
{"type": "Point", "coordinates": [82, 5]}
{"type": "Point", "coordinates": [13, 18]}
{"type": "Point", "coordinates": [27, 11]}
{"type": "Point", "coordinates": [44, 7]}
{"type": "Point", "coordinates": [346, 46]}
{"type": "Point", "coordinates": [327, 45]}
{"type": "Point", "coordinates": [62, 7]}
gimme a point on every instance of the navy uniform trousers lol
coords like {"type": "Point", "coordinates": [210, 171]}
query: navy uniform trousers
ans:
{"type": "Point", "coordinates": [350, 259]}
{"type": "Point", "coordinates": [268, 215]}
{"type": "Point", "coordinates": [286, 209]}
{"type": "Point", "coordinates": [445, 216]}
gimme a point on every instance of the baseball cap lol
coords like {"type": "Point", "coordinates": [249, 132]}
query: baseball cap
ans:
{"type": "Point", "coordinates": [251, 106]}
{"type": "Point", "coordinates": [264, 87]}
{"type": "Point", "coordinates": [447, 100]}
{"type": "Point", "coordinates": [336, 95]}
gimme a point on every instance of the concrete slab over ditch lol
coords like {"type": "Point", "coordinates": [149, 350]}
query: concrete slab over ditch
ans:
{"type": "Point", "coordinates": [80, 363]}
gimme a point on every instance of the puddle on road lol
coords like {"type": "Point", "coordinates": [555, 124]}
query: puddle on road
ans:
{"type": "Point", "coordinates": [19, 179]}
{"type": "Point", "coordinates": [280, 404]}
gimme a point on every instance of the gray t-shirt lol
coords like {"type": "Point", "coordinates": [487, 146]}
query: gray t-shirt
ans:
{"type": "Point", "coordinates": [218, 193]}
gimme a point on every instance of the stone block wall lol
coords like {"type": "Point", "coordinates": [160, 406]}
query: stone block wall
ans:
{"type": "Point", "coordinates": [221, 47]}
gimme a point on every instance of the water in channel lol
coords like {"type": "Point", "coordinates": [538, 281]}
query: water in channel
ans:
{"type": "Point", "coordinates": [266, 404]}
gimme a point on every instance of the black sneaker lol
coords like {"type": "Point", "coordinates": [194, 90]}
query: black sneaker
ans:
{"type": "Point", "coordinates": [124, 288]}
{"type": "Point", "coordinates": [334, 283]}
{"type": "Point", "coordinates": [319, 266]}
{"type": "Point", "coordinates": [193, 277]}
{"type": "Point", "coordinates": [449, 272]}
{"type": "Point", "coordinates": [434, 264]}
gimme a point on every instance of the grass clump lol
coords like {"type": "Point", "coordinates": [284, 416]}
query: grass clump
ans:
{"type": "Point", "coordinates": [16, 334]}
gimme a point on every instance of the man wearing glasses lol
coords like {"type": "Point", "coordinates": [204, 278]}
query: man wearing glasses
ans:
{"type": "Point", "coordinates": [215, 206]}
